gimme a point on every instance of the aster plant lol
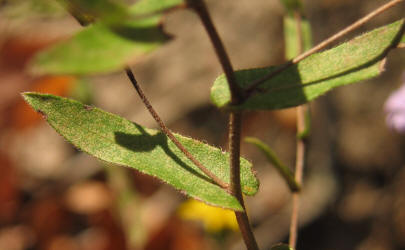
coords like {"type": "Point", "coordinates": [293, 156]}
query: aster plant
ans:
{"type": "Point", "coordinates": [116, 35]}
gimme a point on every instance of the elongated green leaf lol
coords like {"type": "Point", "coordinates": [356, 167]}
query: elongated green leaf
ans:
{"type": "Point", "coordinates": [284, 171]}
{"type": "Point", "coordinates": [116, 140]}
{"type": "Point", "coordinates": [122, 36]}
{"type": "Point", "coordinates": [353, 61]}
{"type": "Point", "coordinates": [101, 48]}
{"type": "Point", "coordinates": [88, 11]}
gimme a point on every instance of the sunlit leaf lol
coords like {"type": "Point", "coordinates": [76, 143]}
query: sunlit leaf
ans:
{"type": "Point", "coordinates": [116, 140]}
{"type": "Point", "coordinates": [358, 59]}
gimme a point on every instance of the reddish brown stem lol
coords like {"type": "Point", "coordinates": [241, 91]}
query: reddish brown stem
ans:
{"type": "Point", "coordinates": [201, 10]}
{"type": "Point", "coordinates": [299, 169]}
{"type": "Point", "coordinates": [235, 120]}
{"type": "Point", "coordinates": [300, 148]}
{"type": "Point", "coordinates": [169, 134]}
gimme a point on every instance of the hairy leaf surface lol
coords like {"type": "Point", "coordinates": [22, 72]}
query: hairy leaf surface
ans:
{"type": "Point", "coordinates": [114, 139]}
{"type": "Point", "coordinates": [358, 59]}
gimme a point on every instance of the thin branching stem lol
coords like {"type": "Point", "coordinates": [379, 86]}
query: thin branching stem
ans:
{"type": "Point", "coordinates": [201, 9]}
{"type": "Point", "coordinates": [235, 120]}
{"type": "Point", "coordinates": [163, 127]}
{"type": "Point", "coordinates": [169, 134]}
{"type": "Point", "coordinates": [299, 169]}
{"type": "Point", "coordinates": [300, 147]}
{"type": "Point", "coordinates": [252, 86]}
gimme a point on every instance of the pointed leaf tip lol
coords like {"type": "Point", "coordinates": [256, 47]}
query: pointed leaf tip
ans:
{"type": "Point", "coordinates": [116, 140]}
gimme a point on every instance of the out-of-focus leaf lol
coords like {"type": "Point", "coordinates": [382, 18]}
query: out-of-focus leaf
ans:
{"type": "Point", "coordinates": [284, 171]}
{"type": "Point", "coordinates": [81, 91]}
{"type": "Point", "coordinates": [123, 36]}
{"type": "Point", "coordinates": [23, 10]}
{"type": "Point", "coordinates": [101, 48]}
{"type": "Point", "coordinates": [88, 11]}
{"type": "Point", "coordinates": [358, 59]}
{"type": "Point", "coordinates": [116, 140]}
{"type": "Point", "coordinates": [144, 7]}
{"type": "Point", "coordinates": [127, 199]}
{"type": "Point", "coordinates": [291, 38]}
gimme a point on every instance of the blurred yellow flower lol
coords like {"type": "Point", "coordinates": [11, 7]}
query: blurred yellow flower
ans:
{"type": "Point", "coordinates": [214, 219]}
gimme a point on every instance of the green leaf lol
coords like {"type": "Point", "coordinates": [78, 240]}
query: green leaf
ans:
{"type": "Point", "coordinates": [143, 7]}
{"type": "Point", "coordinates": [284, 171]}
{"type": "Point", "coordinates": [291, 37]}
{"type": "Point", "coordinates": [123, 36]}
{"type": "Point", "coordinates": [116, 140]}
{"type": "Point", "coordinates": [281, 246]}
{"type": "Point", "coordinates": [101, 48]}
{"type": "Point", "coordinates": [358, 59]}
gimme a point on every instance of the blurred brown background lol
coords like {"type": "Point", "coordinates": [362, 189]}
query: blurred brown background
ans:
{"type": "Point", "coordinates": [54, 197]}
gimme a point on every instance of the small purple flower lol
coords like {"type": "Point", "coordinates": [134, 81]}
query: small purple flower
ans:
{"type": "Point", "coordinates": [395, 109]}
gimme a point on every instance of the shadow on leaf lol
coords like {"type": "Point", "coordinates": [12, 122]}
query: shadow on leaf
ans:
{"type": "Point", "coordinates": [145, 142]}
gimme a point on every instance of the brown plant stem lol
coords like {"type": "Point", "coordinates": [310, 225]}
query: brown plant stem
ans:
{"type": "Point", "coordinates": [299, 169]}
{"type": "Point", "coordinates": [235, 120]}
{"type": "Point", "coordinates": [300, 147]}
{"type": "Point", "coordinates": [201, 9]}
{"type": "Point", "coordinates": [252, 86]}
{"type": "Point", "coordinates": [169, 134]}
